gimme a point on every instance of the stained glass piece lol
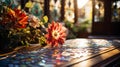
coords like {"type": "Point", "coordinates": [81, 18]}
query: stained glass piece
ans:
{"type": "Point", "coordinates": [99, 11]}
{"type": "Point", "coordinates": [23, 65]}
{"type": "Point", "coordinates": [28, 4]}
{"type": "Point", "coordinates": [35, 7]}
{"type": "Point", "coordinates": [55, 7]}
{"type": "Point", "coordinates": [69, 10]}
{"type": "Point", "coordinates": [116, 11]}
{"type": "Point", "coordinates": [36, 10]}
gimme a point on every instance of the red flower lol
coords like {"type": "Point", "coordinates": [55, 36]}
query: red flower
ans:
{"type": "Point", "coordinates": [23, 22]}
{"type": "Point", "coordinates": [11, 12]}
{"type": "Point", "coordinates": [19, 17]}
{"type": "Point", "coordinates": [19, 14]}
{"type": "Point", "coordinates": [56, 34]}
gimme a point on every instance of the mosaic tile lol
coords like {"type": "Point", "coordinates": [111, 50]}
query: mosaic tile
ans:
{"type": "Point", "coordinates": [50, 57]}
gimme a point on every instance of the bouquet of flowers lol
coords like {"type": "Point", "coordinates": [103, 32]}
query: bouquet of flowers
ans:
{"type": "Point", "coordinates": [20, 28]}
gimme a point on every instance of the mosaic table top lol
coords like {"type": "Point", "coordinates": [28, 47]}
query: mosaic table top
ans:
{"type": "Point", "coordinates": [47, 57]}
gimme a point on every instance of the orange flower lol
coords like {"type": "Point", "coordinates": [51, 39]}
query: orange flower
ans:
{"type": "Point", "coordinates": [21, 18]}
{"type": "Point", "coordinates": [11, 12]}
{"type": "Point", "coordinates": [56, 34]}
{"type": "Point", "coordinates": [22, 23]}
{"type": "Point", "coordinates": [19, 14]}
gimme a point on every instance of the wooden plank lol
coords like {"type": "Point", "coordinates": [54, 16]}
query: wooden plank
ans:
{"type": "Point", "coordinates": [91, 61]}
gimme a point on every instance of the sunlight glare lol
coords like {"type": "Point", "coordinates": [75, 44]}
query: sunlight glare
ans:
{"type": "Point", "coordinates": [81, 3]}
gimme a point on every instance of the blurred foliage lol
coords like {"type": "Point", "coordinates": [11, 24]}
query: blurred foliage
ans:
{"type": "Point", "coordinates": [75, 29]}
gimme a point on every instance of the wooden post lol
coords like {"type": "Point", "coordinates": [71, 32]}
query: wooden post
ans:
{"type": "Point", "coordinates": [23, 2]}
{"type": "Point", "coordinates": [107, 6]}
{"type": "Point", "coordinates": [62, 11]}
{"type": "Point", "coordinates": [75, 11]}
{"type": "Point", "coordinates": [93, 10]}
{"type": "Point", "coordinates": [46, 8]}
